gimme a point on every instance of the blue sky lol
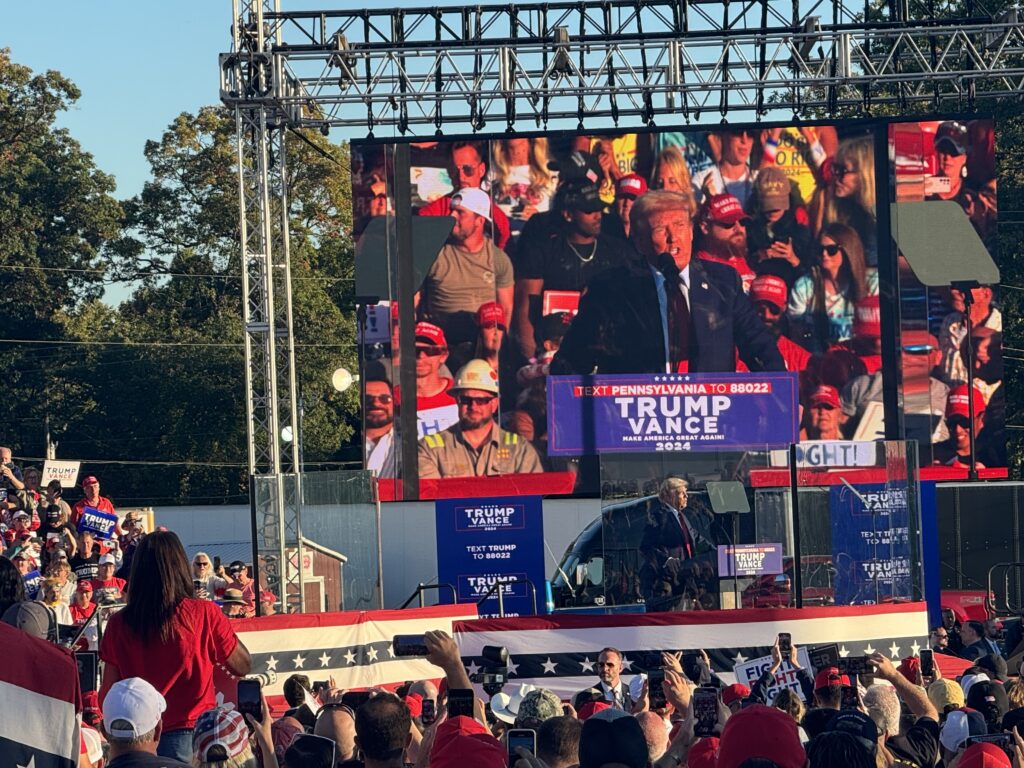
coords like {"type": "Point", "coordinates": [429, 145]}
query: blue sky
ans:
{"type": "Point", "coordinates": [138, 65]}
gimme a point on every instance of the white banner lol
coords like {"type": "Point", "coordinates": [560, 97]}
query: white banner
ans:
{"type": "Point", "coordinates": [748, 672]}
{"type": "Point", "coordinates": [65, 471]}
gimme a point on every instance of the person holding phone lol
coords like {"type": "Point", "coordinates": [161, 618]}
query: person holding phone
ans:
{"type": "Point", "coordinates": [169, 638]}
{"type": "Point", "coordinates": [919, 743]}
{"type": "Point", "coordinates": [807, 683]}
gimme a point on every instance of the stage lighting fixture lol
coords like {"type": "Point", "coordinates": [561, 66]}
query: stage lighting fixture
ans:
{"type": "Point", "coordinates": [810, 35]}
{"type": "Point", "coordinates": [561, 63]}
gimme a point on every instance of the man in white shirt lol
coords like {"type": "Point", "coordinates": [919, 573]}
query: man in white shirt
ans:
{"type": "Point", "coordinates": [610, 687]}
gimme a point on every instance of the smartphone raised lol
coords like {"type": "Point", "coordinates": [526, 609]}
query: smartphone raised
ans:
{"type": "Point", "coordinates": [355, 699]}
{"type": "Point", "coordinates": [250, 700]}
{"type": "Point", "coordinates": [691, 666]}
{"type": "Point", "coordinates": [429, 712]}
{"type": "Point", "coordinates": [521, 737]}
{"type": "Point", "coordinates": [705, 710]}
{"type": "Point", "coordinates": [927, 662]}
{"type": "Point", "coordinates": [850, 698]}
{"type": "Point", "coordinates": [655, 691]}
{"type": "Point", "coordinates": [856, 665]}
{"type": "Point", "coordinates": [785, 644]}
{"type": "Point", "coordinates": [409, 645]}
{"type": "Point", "coordinates": [460, 702]}
{"type": "Point", "coordinates": [1002, 740]}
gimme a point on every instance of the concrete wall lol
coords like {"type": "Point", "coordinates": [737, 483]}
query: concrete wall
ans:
{"type": "Point", "coordinates": [409, 541]}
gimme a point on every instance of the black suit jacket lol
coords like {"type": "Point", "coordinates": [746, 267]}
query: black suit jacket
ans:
{"type": "Point", "coordinates": [596, 693]}
{"type": "Point", "coordinates": [664, 539]}
{"type": "Point", "coordinates": [976, 650]}
{"type": "Point", "coordinates": [618, 328]}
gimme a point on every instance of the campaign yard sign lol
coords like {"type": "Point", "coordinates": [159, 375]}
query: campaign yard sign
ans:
{"type": "Point", "coordinates": [102, 524]}
{"type": "Point", "coordinates": [483, 541]}
{"type": "Point", "coordinates": [749, 560]}
{"type": "Point", "coordinates": [870, 543]}
{"type": "Point", "coordinates": [31, 580]}
{"type": "Point", "coordinates": [64, 471]}
{"type": "Point", "coordinates": [748, 672]}
{"type": "Point", "coordinates": [645, 413]}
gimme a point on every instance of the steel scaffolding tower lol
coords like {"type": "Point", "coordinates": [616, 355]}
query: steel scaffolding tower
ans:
{"type": "Point", "coordinates": [459, 69]}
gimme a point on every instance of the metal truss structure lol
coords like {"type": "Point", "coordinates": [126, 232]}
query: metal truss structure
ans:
{"type": "Point", "coordinates": [460, 69]}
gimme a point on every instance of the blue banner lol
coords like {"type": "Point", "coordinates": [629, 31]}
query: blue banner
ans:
{"type": "Point", "coordinates": [31, 580]}
{"type": "Point", "coordinates": [749, 559]}
{"type": "Point", "coordinates": [483, 541]}
{"type": "Point", "coordinates": [102, 524]}
{"type": "Point", "coordinates": [870, 543]}
{"type": "Point", "coordinates": [648, 413]}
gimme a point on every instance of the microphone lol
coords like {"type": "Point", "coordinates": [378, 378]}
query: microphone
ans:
{"type": "Point", "coordinates": [667, 266]}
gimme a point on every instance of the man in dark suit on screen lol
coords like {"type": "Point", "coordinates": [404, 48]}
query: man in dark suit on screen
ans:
{"type": "Point", "coordinates": [667, 312]}
{"type": "Point", "coordinates": [678, 552]}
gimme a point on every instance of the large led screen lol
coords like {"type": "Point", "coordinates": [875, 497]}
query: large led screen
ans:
{"type": "Point", "coordinates": [574, 254]}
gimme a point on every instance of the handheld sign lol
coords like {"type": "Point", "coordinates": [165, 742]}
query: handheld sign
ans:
{"type": "Point", "coordinates": [785, 676]}
{"type": "Point", "coordinates": [102, 524]}
{"type": "Point", "coordinates": [64, 471]}
{"type": "Point", "coordinates": [31, 581]}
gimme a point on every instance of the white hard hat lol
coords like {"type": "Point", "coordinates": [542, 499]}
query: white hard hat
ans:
{"type": "Point", "coordinates": [476, 374]}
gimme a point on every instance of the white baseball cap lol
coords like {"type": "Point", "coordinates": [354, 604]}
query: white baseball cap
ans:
{"type": "Point", "coordinates": [108, 559]}
{"type": "Point", "coordinates": [136, 702]}
{"type": "Point", "coordinates": [473, 199]}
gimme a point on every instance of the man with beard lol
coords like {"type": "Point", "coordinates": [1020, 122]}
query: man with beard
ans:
{"type": "Point", "coordinates": [567, 260]}
{"type": "Point", "coordinates": [953, 330]}
{"type": "Point", "coordinates": [435, 407]}
{"type": "Point", "coordinates": [956, 451]}
{"type": "Point", "coordinates": [469, 271]}
{"type": "Point", "coordinates": [667, 313]}
{"type": "Point", "coordinates": [381, 455]}
{"type": "Point", "coordinates": [769, 295]}
{"type": "Point", "coordinates": [723, 230]}
{"type": "Point", "coordinates": [476, 446]}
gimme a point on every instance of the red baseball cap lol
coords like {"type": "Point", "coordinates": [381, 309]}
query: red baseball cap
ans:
{"type": "Point", "coordinates": [830, 676]}
{"type": "Point", "coordinates": [724, 209]}
{"type": "Point", "coordinates": [491, 314]}
{"type": "Point", "coordinates": [84, 586]}
{"type": "Point", "coordinates": [771, 289]}
{"type": "Point", "coordinates": [984, 755]}
{"type": "Point", "coordinates": [867, 318]}
{"type": "Point", "coordinates": [414, 702]}
{"type": "Point", "coordinates": [734, 692]}
{"type": "Point", "coordinates": [825, 395]}
{"type": "Point", "coordinates": [764, 732]}
{"type": "Point", "coordinates": [631, 185]}
{"type": "Point", "coordinates": [430, 333]}
{"type": "Point", "coordinates": [463, 741]}
{"type": "Point", "coordinates": [266, 596]}
{"type": "Point", "coordinates": [591, 708]}
{"type": "Point", "coordinates": [957, 404]}
{"type": "Point", "coordinates": [89, 480]}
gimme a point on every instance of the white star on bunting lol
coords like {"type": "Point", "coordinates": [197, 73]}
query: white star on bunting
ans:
{"type": "Point", "coordinates": [371, 653]}
{"type": "Point", "coordinates": [325, 659]}
{"type": "Point", "coordinates": [627, 664]}
{"type": "Point", "coordinates": [272, 664]}
{"type": "Point", "coordinates": [587, 664]}
{"type": "Point", "coordinates": [915, 647]}
{"type": "Point", "coordinates": [843, 652]}
{"type": "Point", "coordinates": [350, 657]}
{"type": "Point", "coordinates": [894, 650]}
{"type": "Point", "coordinates": [472, 669]}
{"type": "Point", "coordinates": [868, 650]}
{"type": "Point", "coordinates": [739, 658]}
{"type": "Point", "coordinates": [298, 661]}
{"type": "Point", "coordinates": [513, 668]}
{"type": "Point", "coordinates": [549, 666]}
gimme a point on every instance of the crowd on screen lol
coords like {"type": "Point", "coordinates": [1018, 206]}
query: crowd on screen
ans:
{"type": "Point", "coordinates": [540, 275]}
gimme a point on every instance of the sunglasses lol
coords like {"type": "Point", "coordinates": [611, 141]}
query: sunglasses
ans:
{"type": "Point", "coordinates": [200, 562]}
{"type": "Point", "coordinates": [468, 400]}
{"type": "Point", "coordinates": [382, 399]}
{"type": "Point", "coordinates": [958, 421]}
{"type": "Point", "coordinates": [741, 223]}
{"type": "Point", "coordinates": [833, 249]}
{"type": "Point", "coordinates": [770, 308]}
{"type": "Point", "coordinates": [467, 170]}
{"type": "Point", "coordinates": [432, 350]}
{"type": "Point", "coordinates": [839, 171]}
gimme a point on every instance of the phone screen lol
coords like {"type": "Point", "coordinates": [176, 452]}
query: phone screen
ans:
{"type": "Point", "coordinates": [851, 697]}
{"type": "Point", "coordinates": [521, 737]}
{"type": "Point", "coordinates": [785, 644]}
{"type": "Point", "coordinates": [654, 690]}
{"type": "Point", "coordinates": [429, 713]}
{"type": "Point", "coordinates": [690, 667]}
{"type": "Point", "coordinates": [460, 702]}
{"type": "Point", "coordinates": [927, 662]}
{"type": "Point", "coordinates": [249, 698]}
{"type": "Point", "coordinates": [705, 710]}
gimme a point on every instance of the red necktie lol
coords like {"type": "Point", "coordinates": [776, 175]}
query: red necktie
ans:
{"type": "Point", "coordinates": [687, 540]}
{"type": "Point", "coordinates": [678, 326]}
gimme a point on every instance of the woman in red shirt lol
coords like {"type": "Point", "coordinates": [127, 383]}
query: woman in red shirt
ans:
{"type": "Point", "coordinates": [170, 639]}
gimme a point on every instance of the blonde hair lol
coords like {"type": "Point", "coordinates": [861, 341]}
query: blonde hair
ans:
{"type": "Point", "coordinates": [672, 158]}
{"type": "Point", "coordinates": [860, 153]}
{"type": "Point", "coordinates": [541, 179]}
{"type": "Point", "coordinates": [50, 583]}
{"type": "Point", "coordinates": [244, 760]}
{"type": "Point", "coordinates": [1015, 695]}
{"type": "Point", "coordinates": [789, 702]}
{"type": "Point", "coordinates": [658, 201]}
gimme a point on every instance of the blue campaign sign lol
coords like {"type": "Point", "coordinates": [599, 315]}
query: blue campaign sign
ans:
{"type": "Point", "coordinates": [647, 413]}
{"type": "Point", "coordinates": [31, 581]}
{"type": "Point", "coordinates": [103, 524]}
{"type": "Point", "coordinates": [483, 541]}
{"type": "Point", "coordinates": [870, 543]}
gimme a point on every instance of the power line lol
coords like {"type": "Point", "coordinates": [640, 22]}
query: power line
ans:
{"type": "Point", "coordinates": [78, 342]}
{"type": "Point", "coordinates": [145, 275]}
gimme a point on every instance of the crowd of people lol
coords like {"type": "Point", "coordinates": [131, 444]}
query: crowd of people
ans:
{"type": "Point", "coordinates": [731, 250]}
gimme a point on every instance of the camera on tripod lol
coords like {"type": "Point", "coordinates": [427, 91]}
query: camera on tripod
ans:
{"type": "Point", "coordinates": [493, 673]}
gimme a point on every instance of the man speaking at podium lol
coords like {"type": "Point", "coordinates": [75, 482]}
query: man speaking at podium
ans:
{"type": "Point", "coordinates": [667, 313]}
{"type": "Point", "coordinates": [678, 553]}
